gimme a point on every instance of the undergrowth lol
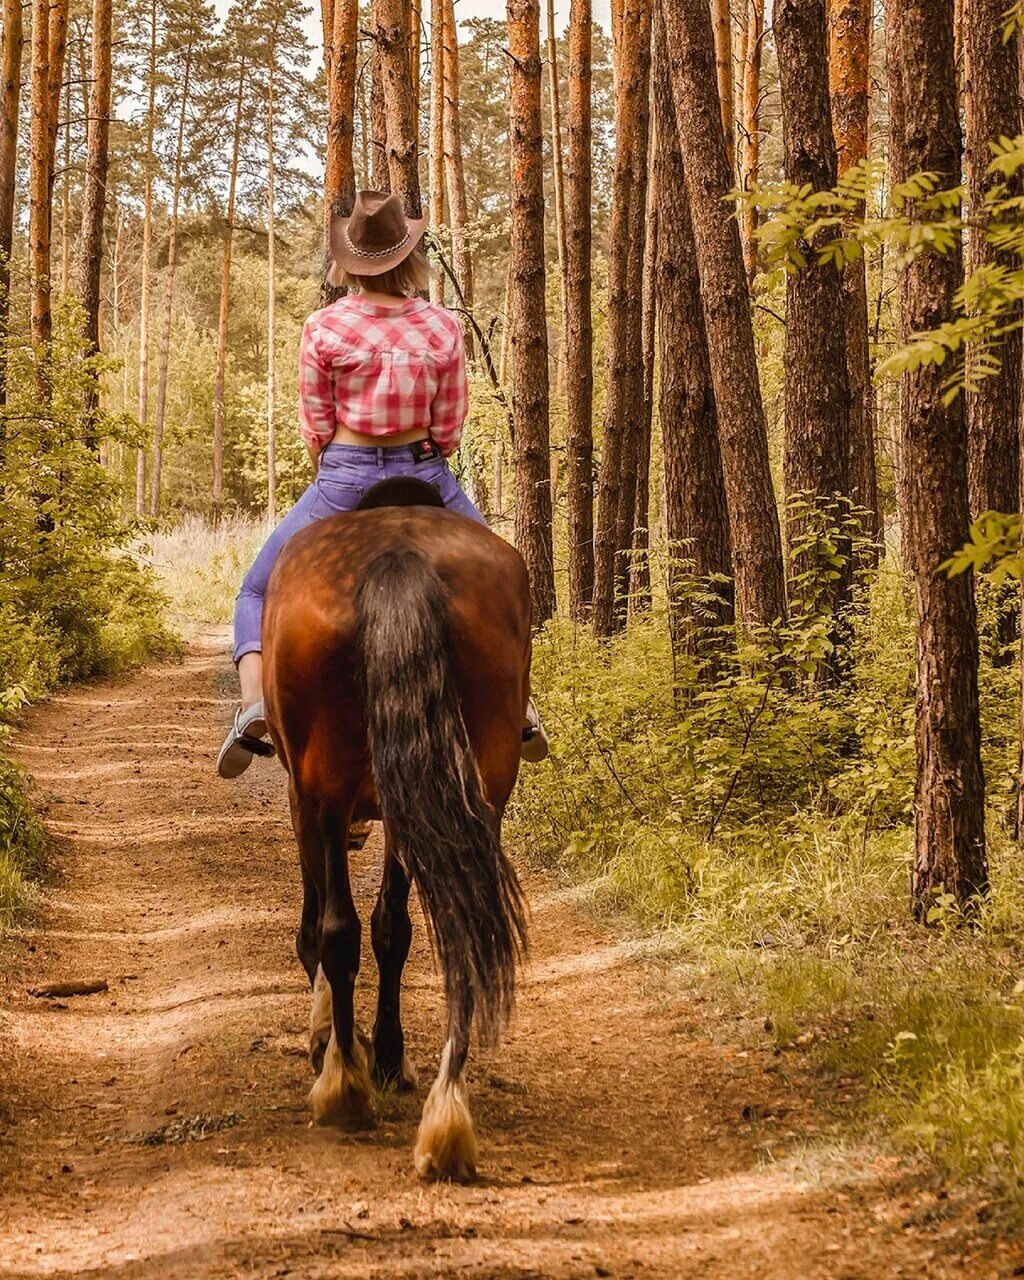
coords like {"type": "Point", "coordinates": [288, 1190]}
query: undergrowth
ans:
{"type": "Point", "coordinates": [765, 821]}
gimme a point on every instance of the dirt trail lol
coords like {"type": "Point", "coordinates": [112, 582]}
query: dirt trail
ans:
{"type": "Point", "coordinates": [160, 1129]}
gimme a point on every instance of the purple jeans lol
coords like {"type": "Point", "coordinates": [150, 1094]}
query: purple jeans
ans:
{"type": "Point", "coordinates": [346, 472]}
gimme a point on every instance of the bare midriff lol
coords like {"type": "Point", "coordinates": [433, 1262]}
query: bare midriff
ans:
{"type": "Point", "coordinates": [342, 435]}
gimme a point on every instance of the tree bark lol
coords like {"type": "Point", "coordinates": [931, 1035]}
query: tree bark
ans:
{"type": "Point", "coordinates": [949, 841]}
{"type": "Point", "coordinates": [898, 174]}
{"type": "Point", "coordinates": [58, 40]}
{"type": "Point", "coordinates": [272, 279]}
{"type": "Point", "coordinates": [12, 40]}
{"type": "Point", "coordinates": [164, 355]}
{"type": "Point", "coordinates": [557, 165]}
{"type": "Point", "coordinates": [379, 175]}
{"type": "Point", "coordinates": [992, 111]}
{"type": "Point", "coordinates": [640, 569]}
{"type": "Point", "coordinates": [753, 516]}
{"type": "Point", "coordinates": [391, 31]}
{"type": "Point", "coordinates": [723, 75]}
{"type": "Point", "coordinates": [527, 308]}
{"type": "Point", "coordinates": [816, 461]}
{"type": "Point", "coordinates": [579, 324]}
{"type": "Point", "coordinates": [435, 156]}
{"type": "Point", "coordinates": [225, 297]}
{"type": "Point", "coordinates": [751, 162]}
{"type": "Point", "coordinates": [619, 453]}
{"type": "Point", "coordinates": [462, 261]}
{"type": "Point", "coordinates": [340, 173]}
{"type": "Point", "coordinates": [147, 243]}
{"type": "Point", "coordinates": [39, 194]}
{"type": "Point", "coordinates": [91, 256]}
{"type": "Point", "coordinates": [850, 29]}
{"type": "Point", "coordinates": [696, 513]}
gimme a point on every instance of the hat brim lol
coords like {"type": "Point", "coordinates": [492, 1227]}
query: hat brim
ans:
{"type": "Point", "coordinates": [346, 258]}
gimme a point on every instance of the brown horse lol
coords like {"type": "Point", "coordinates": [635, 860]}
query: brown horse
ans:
{"type": "Point", "coordinates": [397, 659]}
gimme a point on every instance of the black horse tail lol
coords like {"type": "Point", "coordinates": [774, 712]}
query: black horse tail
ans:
{"type": "Point", "coordinates": [429, 787]}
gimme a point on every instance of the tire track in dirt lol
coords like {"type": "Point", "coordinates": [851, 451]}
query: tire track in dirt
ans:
{"type": "Point", "coordinates": [161, 1129]}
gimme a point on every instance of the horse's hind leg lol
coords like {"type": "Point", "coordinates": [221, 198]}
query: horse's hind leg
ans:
{"type": "Point", "coordinates": [342, 1093]}
{"type": "Point", "coordinates": [392, 934]}
{"type": "Point", "coordinates": [445, 1142]}
{"type": "Point", "coordinates": [307, 944]}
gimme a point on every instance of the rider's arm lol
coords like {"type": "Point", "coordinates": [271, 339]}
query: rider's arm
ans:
{"type": "Point", "coordinates": [451, 401]}
{"type": "Point", "coordinates": [317, 420]}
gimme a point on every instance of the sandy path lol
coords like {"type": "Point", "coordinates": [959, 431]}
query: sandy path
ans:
{"type": "Point", "coordinates": [621, 1133]}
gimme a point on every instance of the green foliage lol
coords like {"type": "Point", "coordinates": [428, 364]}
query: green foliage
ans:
{"type": "Point", "coordinates": [766, 821]}
{"type": "Point", "coordinates": [74, 599]}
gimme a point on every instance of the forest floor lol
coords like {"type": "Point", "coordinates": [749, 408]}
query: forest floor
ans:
{"type": "Point", "coordinates": [160, 1129]}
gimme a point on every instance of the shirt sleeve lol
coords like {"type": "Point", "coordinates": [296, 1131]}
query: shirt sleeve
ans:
{"type": "Point", "coordinates": [451, 401]}
{"type": "Point", "coordinates": [316, 393]}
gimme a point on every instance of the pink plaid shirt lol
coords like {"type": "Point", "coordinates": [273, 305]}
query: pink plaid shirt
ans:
{"type": "Point", "coordinates": [379, 370]}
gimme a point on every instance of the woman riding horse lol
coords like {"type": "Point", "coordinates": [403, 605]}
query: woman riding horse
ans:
{"type": "Point", "coordinates": [395, 653]}
{"type": "Point", "coordinates": [382, 393]}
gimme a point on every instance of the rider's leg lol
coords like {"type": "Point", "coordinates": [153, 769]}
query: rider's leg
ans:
{"type": "Point", "coordinates": [250, 677]}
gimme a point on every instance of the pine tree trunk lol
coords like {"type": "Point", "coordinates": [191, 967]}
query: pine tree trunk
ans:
{"type": "Point", "coordinates": [58, 39]}
{"type": "Point", "coordinates": [816, 461]}
{"type": "Point", "coordinates": [993, 111]}
{"type": "Point", "coordinates": [380, 178]}
{"type": "Point", "coordinates": [527, 308]}
{"type": "Point", "coordinates": [619, 455]}
{"type": "Point", "coordinates": [723, 74]}
{"type": "Point", "coordinates": [462, 262]}
{"type": "Point", "coordinates": [225, 298]}
{"type": "Point", "coordinates": [753, 516]}
{"type": "Point", "coordinates": [579, 324]}
{"type": "Point", "coordinates": [850, 30]}
{"type": "Point", "coordinates": [415, 41]}
{"type": "Point", "coordinates": [435, 157]}
{"type": "Point", "coordinates": [272, 289]}
{"type": "Point", "coordinates": [557, 163]}
{"type": "Point", "coordinates": [751, 163]}
{"type": "Point", "coordinates": [696, 514]}
{"type": "Point", "coordinates": [897, 173]}
{"type": "Point", "coordinates": [94, 206]}
{"type": "Point", "coordinates": [147, 245]}
{"type": "Point", "coordinates": [950, 829]}
{"type": "Point", "coordinates": [39, 216]}
{"type": "Point", "coordinates": [65, 193]}
{"type": "Point", "coordinates": [12, 40]}
{"type": "Point", "coordinates": [339, 174]}
{"type": "Point", "coordinates": [640, 570]}
{"type": "Point", "coordinates": [164, 354]}
{"type": "Point", "coordinates": [391, 31]}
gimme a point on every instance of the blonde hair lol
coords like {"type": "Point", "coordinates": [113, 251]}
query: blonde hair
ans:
{"type": "Point", "coordinates": [411, 276]}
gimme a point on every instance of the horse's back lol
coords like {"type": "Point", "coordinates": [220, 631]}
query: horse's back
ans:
{"type": "Point", "coordinates": [311, 629]}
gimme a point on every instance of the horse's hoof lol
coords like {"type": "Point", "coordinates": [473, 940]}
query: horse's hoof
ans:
{"type": "Point", "coordinates": [403, 1078]}
{"type": "Point", "coordinates": [343, 1092]}
{"type": "Point", "coordinates": [446, 1149]}
{"type": "Point", "coordinates": [317, 1050]}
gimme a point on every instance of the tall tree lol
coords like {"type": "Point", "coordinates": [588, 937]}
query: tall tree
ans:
{"type": "Point", "coordinates": [751, 157]}
{"type": "Point", "coordinates": [557, 163]}
{"type": "Point", "coordinates": [949, 841]}
{"type": "Point", "coordinates": [816, 461]}
{"type": "Point", "coordinates": [340, 57]}
{"type": "Point", "coordinates": [624, 407]}
{"type": "Point", "coordinates": [147, 249]}
{"type": "Point", "coordinates": [462, 261]}
{"type": "Point", "coordinates": [435, 141]}
{"type": "Point", "coordinates": [242, 71]}
{"type": "Point", "coordinates": [993, 111]}
{"type": "Point", "coordinates": [696, 514]}
{"type": "Point", "coordinates": [183, 44]}
{"type": "Point", "coordinates": [753, 516]}
{"type": "Point", "coordinates": [527, 308]}
{"type": "Point", "coordinates": [39, 190]}
{"type": "Point", "coordinates": [579, 324]}
{"type": "Point", "coordinates": [640, 569]}
{"type": "Point", "coordinates": [379, 168]}
{"type": "Point", "coordinates": [11, 43]}
{"type": "Point", "coordinates": [851, 25]}
{"type": "Point", "coordinates": [723, 73]}
{"type": "Point", "coordinates": [392, 34]}
{"type": "Point", "coordinates": [91, 253]}
{"type": "Point", "coordinates": [272, 273]}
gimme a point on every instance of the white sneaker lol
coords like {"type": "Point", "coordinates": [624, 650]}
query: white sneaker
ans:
{"type": "Point", "coordinates": [535, 740]}
{"type": "Point", "coordinates": [244, 740]}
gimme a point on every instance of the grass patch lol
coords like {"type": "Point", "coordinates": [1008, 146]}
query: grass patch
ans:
{"type": "Point", "coordinates": [768, 830]}
{"type": "Point", "coordinates": [200, 567]}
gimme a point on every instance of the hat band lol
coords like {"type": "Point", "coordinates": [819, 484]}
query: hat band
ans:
{"type": "Point", "coordinates": [375, 253]}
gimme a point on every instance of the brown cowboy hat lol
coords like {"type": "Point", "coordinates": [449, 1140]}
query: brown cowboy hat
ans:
{"type": "Point", "coordinates": [376, 237]}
